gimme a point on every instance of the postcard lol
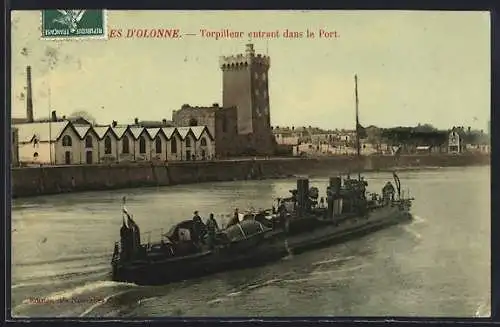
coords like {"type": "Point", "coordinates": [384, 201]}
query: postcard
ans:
{"type": "Point", "coordinates": [250, 164]}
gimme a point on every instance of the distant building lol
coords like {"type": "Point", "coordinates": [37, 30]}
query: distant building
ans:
{"type": "Point", "coordinates": [14, 157]}
{"type": "Point", "coordinates": [221, 124]}
{"type": "Point", "coordinates": [63, 143]}
{"type": "Point", "coordinates": [287, 136]}
{"type": "Point", "coordinates": [454, 145]}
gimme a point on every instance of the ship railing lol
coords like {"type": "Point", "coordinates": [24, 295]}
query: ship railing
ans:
{"type": "Point", "coordinates": [153, 236]}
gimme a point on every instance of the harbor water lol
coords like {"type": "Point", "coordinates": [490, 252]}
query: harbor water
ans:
{"type": "Point", "coordinates": [437, 266]}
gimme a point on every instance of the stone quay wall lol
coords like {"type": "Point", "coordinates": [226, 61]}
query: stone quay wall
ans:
{"type": "Point", "coordinates": [35, 181]}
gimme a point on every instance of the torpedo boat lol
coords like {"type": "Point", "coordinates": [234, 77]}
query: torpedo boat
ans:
{"type": "Point", "coordinates": [299, 224]}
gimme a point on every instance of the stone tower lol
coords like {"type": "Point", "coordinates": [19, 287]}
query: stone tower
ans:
{"type": "Point", "coordinates": [245, 86]}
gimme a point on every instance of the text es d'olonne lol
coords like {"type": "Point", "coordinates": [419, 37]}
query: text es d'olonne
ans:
{"type": "Point", "coordinates": [172, 33]}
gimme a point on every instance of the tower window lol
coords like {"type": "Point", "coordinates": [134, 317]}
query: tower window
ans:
{"type": "Point", "coordinates": [193, 122]}
{"type": "Point", "coordinates": [256, 91]}
{"type": "Point", "coordinates": [256, 75]}
{"type": "Point", "coordinates": [264, 76]}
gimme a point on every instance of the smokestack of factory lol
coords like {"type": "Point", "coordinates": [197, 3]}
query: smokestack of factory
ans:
{"type": "Point", "coordinates": [29, 97]}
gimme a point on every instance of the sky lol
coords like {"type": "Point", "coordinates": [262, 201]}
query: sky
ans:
{"type": "Point", "coordinates": [412, 67]}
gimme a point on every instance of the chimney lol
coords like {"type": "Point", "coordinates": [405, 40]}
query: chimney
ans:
{"type": "Point", "coordinates": [54, 116]}
{"type": "Point", "coordinates": [216, 105]}
{"type": "Point", "coordinates": [114, 123]}
{"type": "Point", "coordinates": [136, 121]}
{"type": "Point", "coordinates": [29, 97]}
{"type": "Point", "coordinates": [249, 49]}
{"type": "Point", "coordinates": [164, 121]}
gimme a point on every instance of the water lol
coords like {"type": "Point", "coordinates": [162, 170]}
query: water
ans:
{"type": "Point", "coordinates": [437, 266]}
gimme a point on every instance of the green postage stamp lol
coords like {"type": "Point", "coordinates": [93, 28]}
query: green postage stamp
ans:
{"type": "Point", "coordinates": [74, 24]}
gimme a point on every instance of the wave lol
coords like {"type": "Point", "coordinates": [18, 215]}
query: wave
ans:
{"type": "Point", "coordinates": [66, 280]}
{"type": "Point", "coordinates": [414, 233]}
{"type": "Point", "coordinates": [335, 260]}
{"type": "Point", "coordinates": [101, 303]}
{"type": "Point", "coordinates": [65, 273]}
{"type": "Point", "coordinates": [64, 259]}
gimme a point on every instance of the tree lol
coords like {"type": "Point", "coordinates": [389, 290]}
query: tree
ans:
{"type": "Point", "coordinates": [425, 128]}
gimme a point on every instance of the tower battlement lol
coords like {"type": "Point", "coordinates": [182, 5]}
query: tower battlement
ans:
{"type": "Point", "coordinates": [244, 60]}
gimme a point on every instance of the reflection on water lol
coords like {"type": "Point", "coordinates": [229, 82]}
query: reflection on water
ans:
{"type": "Point", "coordinates": [437, 266]}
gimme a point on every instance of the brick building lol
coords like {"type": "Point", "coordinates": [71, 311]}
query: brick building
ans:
{"type": "Point", "coordinates": [221, 123]}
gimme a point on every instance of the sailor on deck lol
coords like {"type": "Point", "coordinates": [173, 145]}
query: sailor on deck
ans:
{"type": "Point", "coordinates": [199, 228]}
{"type": "Point", "coordinates": [388, 192]}
{"type": "Point", "coordinates": [212, 229]}
{"type": "Point", "coordinates": [235, 220]}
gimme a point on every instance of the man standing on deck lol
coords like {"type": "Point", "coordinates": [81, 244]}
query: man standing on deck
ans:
{"type": "Point", "coordinates": [199, 228]}
{"type": "Point", "coordinates": [388, 192]}
{"type": "Point", "coordinates": [235, 220]}
{"type": "Point", "coordinates": [212, 229]}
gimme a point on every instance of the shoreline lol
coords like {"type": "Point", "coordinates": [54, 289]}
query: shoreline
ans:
{"type": "Point", "coordinates": [52, 180]}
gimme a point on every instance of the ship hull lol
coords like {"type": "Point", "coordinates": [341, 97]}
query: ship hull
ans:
{"type": "Point", "coordinates": [269, 250]}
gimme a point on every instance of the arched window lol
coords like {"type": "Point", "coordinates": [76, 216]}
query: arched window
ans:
{"type": "Point", "coordinates": [188, 142]}
{"type": "Point", "coordinates": [203, 142]}
{"type": "Point", "coordinates": [67, 141]}
{"type": "Point", "coordinates": [193, 122]}
{"type": "Point", "coordinates": [158, 144]}
{"type": "Point", "coordinates": [107, 145]}
{"type": "Point", "coordinates": [88, 141]}
{"type": "Point", "coordinates": [142, 145]}
{"type": "Point", "coordinates": [173, 145]}
{"type": "Point", "coordinates": [125, 145]}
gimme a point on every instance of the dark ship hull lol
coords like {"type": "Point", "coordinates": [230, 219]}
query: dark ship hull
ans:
{"type": "Point", "coordinates": [168, 270]}
{"type": "Point", "coordinates": [275, 246]}
{"type": "Point", "coordinates": [348, 229]}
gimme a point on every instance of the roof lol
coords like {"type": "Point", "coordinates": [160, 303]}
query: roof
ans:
{"type": "Point", "coordinates": [136, 131]}
{"type": "Point", "coordinates": [43, 131]}
{"type": "Point", "coordinates": [197, 131]}
{"type": "Point", "coordinates": [119, 131]}
{"type": "Point", "coordinates": [152, 132]}
{"type": "Point", "coordinates": [168, 131]}
{"type": "Point", "coordinates": [100, 130]}
{"type": "Point", "coordinates": [81, 130]}
{"type": "Point", "coordinates": [183, 131]}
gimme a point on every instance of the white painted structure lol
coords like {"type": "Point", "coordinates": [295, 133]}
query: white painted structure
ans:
{"type": "Point", "coordinates": [62, 143]}
{"type": "Point", "coordinates": [454, 142]}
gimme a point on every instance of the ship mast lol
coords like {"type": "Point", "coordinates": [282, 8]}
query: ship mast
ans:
{"type": "Point", "coordinates": [358, 146]}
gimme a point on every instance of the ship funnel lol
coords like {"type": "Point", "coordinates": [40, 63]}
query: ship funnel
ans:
{"type": "Point", "coordinates": [29, 96]}
{"type": "Point", "coordinates": [302, 194]}
{"type": "Point", "coordinates": [334, 201]}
